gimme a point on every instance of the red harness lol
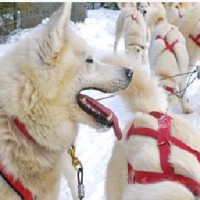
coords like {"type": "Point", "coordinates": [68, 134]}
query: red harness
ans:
{"type": "Point", "coordinates": [196, 39]}
{"type": "Point", "coordinates": [169, 47]}
{"type": "Point", "coordinates": [164, 139]}
{"type": "Point", "coordinates": [15, 184]}
{"type": "Point", "coordinates": [134, 18]}
{"type": "Point", "coordinates": [171, 90]}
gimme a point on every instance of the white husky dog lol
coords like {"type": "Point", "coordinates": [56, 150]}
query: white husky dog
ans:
{"type": "Point", "coordinates": [131, 23]}
{"type": "Point", "coordinates": [190, 28]}
{"type": "Point", "coordinates": [168, 55]}
{"type": "Point", "coordinates": [123, 5]}
{"type": "Point", "coordinates": [175, 11]}
{"type": "Point", "coordinates": [41, 105]}
{"type": "Point", "coordinates": [158, 157]}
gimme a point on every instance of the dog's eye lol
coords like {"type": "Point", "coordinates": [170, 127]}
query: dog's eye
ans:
{"type": "Point", "coordinates": [89, 60]}
{"type": "Point", "coordinates": [138, 50]}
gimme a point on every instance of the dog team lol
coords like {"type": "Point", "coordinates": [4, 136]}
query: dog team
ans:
{"type": "Point", "coordinates": [156, 157]}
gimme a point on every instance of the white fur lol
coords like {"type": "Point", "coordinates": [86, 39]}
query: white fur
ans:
{"type": "Point", "coordinates": [190, 24]}
{"type": "Point", "coordinates": [175, 11]}
{"type": "Point", "coordinates": [163, 62]}
{"type": "Point", "coordinates": [134, 33]}
{"type": "Point", "coordinates": [123, 5]}
{"type": "Point", "coordinates": [142, 152]}
{"type": "Point", "coordinates": [39, 82]}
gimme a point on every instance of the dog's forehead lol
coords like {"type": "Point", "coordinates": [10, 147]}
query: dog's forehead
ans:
{"type": "Point", "coordinates": [143, 4]}
{"type": "Point", "coordinates": [80, 46]}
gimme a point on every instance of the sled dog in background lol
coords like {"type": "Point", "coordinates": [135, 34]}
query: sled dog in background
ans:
{"type": "Point", "coordinates": [190, 28]}
{"type": "Point", "coordinates": [143, 7]}
{"type": "Point", "coordinates": [175, 11]}
{"type": "Point", "coordinates": [41, 105]}
{"type": "Point", "coordinates": [168, 55]}
{"type": "Point", "coordinates": [123, 5]}
{"type": "Point", "coordinates": [138, 168]}
{"type": "Point", "coordinates": [131, 23]}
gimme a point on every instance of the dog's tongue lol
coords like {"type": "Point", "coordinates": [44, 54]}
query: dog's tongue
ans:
{"type": "Point", "coordinates": [116, 127]}
{"type": "Point", "coordinates": [106, 111]}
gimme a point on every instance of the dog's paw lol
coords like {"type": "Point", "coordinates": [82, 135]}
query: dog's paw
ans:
{"type": "Point", "coordinates": [188, 111]}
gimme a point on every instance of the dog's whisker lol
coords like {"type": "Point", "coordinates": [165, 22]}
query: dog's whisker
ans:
{"type": "Point", "coordinates": [197, 70]}
{"type": "Point", "coordinates": [110, 96]}
{"type": "Point", "coordinates": [181, 74]}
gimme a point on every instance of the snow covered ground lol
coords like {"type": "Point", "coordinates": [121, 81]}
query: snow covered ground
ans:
{"type": "Point", "coordinates": [94, 148]}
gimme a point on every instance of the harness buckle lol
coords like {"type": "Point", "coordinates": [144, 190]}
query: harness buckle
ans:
{"type": "Point", "coordinates": [163, 143]}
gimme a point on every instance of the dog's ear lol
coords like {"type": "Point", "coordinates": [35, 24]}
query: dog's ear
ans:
{"type": "Point", "coordinates": [170, 4]}
{"type": "Point", "coordinates": [61, 17]}
{"type": "Point", "coordinates": [54, 36]}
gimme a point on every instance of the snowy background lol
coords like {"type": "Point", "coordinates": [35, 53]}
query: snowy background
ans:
{"type": "Point", "coordinates": [94, 148]}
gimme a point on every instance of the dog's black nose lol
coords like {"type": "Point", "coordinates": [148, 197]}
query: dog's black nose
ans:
{"type": "Point", "coordinates": [129, 73]}
{"type": "Point", "coordinates": [144, 12]}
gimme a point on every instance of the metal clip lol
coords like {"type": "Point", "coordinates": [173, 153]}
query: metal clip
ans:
{"type": "Point", "coordinates": [79, 168]}
{"type": "Point", "coordinates": [81, 187]}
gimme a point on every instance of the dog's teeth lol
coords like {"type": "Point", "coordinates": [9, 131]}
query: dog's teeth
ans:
{"type": "Point", "coordinates": [109, 117]}
{"type": "Point", "coordinates": [83, 100]}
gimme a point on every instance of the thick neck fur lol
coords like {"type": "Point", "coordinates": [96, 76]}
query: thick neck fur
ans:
{"type": "Point", "coordinates": [21, 155]}
{"type": "Point", "coordinates": [143, 94]}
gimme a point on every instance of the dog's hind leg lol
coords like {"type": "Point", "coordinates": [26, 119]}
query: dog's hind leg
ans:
{"type": "Point", "coordinates": [183, 65]}
{"type": "Point", "coordinates": [184, 101]}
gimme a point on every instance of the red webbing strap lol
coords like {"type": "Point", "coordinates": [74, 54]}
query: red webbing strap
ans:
{"type": "Point", "coordinates": [168, 46]}
{"type": "Point", "coordinates": [171, 90]}
{"type": "Point", "coordinates": [164, 128]}
{"type": "Point", "coordinates": [141, 131]}
{"type": "Point", "coordinates": [22, 128]}
{"type": "Point", "coordinates": [143, 177]}
{"type": "Point", "coordinates": [163, 138]}
{"type": "Point", "coordinates": [196, 39]}
{"type": "Point", "coordinates": [132, 17]}
{"type": "Point", "coordinates": [185, 147]}
{"type": "Point", "coordinates": [16, 185]}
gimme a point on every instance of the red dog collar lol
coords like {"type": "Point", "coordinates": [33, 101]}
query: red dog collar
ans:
{"type": "Point", "coordinates": [15, 184]}
{"type": "Point", "coordinates": [22, 128]}
{"type": "Point", "coordinates": [163, 137]}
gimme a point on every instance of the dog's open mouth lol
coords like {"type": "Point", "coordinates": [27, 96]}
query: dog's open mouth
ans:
{"type": "Point", "coordinates": [102, 114]}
